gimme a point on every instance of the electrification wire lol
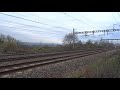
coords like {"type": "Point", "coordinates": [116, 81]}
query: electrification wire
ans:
{"type": "Point", "coordinates": [43, 18]}
{"type": "Point", "coordinates": [30, 20]}
{"type": "Point", "coordinates": [114, 18]}
{"type": "Point", "coordinates": [40, 17]}
{"type": "Point", "coordinates": [37, 16]}
{"type": "Point", "coordinates": [77, 19]}
{"type": "Point", "coordinates": [25, 24]}
{"type": "Point", "coordinates": [80, 21]}
{"type": "Point", "coordinates": [22, 29]}
{"type": "Point", "coordinates": [89, 20]}
{"type": "Point", "coordinates": [118, 14]}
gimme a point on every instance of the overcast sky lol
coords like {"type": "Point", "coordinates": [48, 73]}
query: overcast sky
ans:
{"type": "Point", "coordinates": [51, 27]}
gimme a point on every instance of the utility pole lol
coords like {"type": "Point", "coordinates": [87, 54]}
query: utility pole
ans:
{"type": "Point", "coordinates": [104, 32]}
{"type": "Point", "coordinates": [113, 26]}
{"type": "Point", "coordinates": [93, 32]}
{"type": "Point", "coordinates": [73, 38]}
{"type": "Point", "coordinates": [107, 32]}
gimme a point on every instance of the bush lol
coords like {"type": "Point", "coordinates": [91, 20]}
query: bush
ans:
{"type": "Point", "coordinates": [106, 67]}
{"type": "Point", "coordinates": [7, 43]}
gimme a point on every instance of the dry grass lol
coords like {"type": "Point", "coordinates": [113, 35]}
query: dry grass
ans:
{"type": "Point", "coordinates": [105, 67]}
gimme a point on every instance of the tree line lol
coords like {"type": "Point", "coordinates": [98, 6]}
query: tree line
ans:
{"type": "Point", "coordinates": [10, 44]}
{"type": "Point", "coordinates": [7, 43]}
{"type": "Point", "coordinates": [78, 44]}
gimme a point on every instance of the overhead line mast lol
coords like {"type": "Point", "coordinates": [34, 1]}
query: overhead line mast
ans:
{"type": "Point", "coordinates": [97, 31]}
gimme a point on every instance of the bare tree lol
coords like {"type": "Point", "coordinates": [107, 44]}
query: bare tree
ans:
{"type": "Point", "coordinates": [2, 38]}
{"type": "Point", "coordinates": [68, 39]}
{"type": "Point", "coordinates": [10, 44]}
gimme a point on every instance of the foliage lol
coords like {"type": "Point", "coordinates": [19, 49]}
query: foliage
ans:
{"type": "Point", "coordinates": [7, 43]}
{"type": "Point", "coordinates": [10, 44]}
{"type": "Point", "coordinates": [105, 67]}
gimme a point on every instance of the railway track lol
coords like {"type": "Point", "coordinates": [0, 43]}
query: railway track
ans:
{"type": "Point", "coordinates": [13, 57]}
{"type": "Point", "coordinates": [8, 69]}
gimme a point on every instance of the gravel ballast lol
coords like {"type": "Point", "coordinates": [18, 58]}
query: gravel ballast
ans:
{"type": "Point", "coordinates": [66, 69]}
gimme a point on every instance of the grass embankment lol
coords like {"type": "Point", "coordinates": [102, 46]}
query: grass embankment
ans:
{"type": "Point", "coordinates": [106, 67]}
